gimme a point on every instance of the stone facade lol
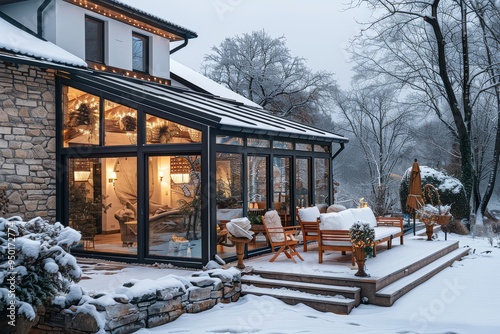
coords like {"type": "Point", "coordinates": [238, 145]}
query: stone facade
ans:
{"type": "Point", "coordinates": [117, 313]}
{"type": "Point", "coordinates": [27, 140]}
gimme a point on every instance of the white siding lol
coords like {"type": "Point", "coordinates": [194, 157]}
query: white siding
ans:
{"type": "Point", "coordinates": [118, 39]}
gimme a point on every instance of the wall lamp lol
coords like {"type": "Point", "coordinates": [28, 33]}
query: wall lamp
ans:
{"type": "Point", "coordinates": [161, 175]}
{"type": "Point", "coordinates": [112, 178]}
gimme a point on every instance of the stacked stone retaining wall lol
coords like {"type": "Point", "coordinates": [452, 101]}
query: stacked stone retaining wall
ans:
{"type": "Point", "coordinates": [120, 313]}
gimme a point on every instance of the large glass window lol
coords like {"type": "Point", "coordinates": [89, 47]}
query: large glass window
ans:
{"type": "Point", "coordinates": [162, 131]}
{"type": "Point", "coordinates": [94, 40]}
{"type": "Point", "coordinates": [321, 181]}
{"type": "Point", "coordinates": [120, 124]}
{"type": "Point", "coordinates": [257, 185]}
{"type": "Point", "coordinates": [103, 203]}
{"type": "Point", "coordinates": [174, 213]}
{"type": "Point", "coordinates": [81, 118]}
{"type": "Point", "coordinates": [281, 188]}
{"type": "Point", "coordinates": [303, 168]}
{"type": "Point", "coordinates": [140, 53]}
{"type": "Point", "coordinates": [229, 197]}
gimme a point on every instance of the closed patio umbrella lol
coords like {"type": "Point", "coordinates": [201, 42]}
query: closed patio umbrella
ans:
{"type": "Point", "coordinates": [414, 199]}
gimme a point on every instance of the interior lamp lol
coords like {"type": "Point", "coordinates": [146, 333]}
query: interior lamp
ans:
{"type": "Point", "coordinates": [112, 178]}
{"type": "Point", "coordinates": [160, 174]}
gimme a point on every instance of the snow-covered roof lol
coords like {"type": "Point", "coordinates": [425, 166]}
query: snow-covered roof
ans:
{"type": "Point", "coordinates": [204, 84]}
{"type": "Point", "coordinates": [17, 41]}
{"type": "Point", "coordinates": [206, 109]}
{"type": "Point", "coordinates": [167, 25]}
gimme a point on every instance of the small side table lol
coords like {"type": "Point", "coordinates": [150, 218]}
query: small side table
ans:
{"type": "Point", "coordinates": [240, 249]}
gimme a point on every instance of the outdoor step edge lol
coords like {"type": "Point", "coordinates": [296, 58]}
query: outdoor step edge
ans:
{"type": "Point", "coordinates": [296, 295]}
{"type": "Point", "coordinates": [437, 265]}
{"type": "Point", "coordinates": [256, 279]}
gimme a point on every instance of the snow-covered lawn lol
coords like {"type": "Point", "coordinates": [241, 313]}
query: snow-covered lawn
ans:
{"type": "Point", "coordinates": [464, 298]}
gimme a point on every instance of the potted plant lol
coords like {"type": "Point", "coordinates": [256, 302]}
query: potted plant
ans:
{"type": "Point", "coordinates": [431, 213]}
{"type": "Point", "coordinates": [363, 239]}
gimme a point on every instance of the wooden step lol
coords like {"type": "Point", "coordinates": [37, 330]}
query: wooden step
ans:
{"type": "Point", "coordinates": [392, 292]}
{"type": "Point", "coordinates": [336, 304]}
{"type": "Point", "coordinates": [312, 288]}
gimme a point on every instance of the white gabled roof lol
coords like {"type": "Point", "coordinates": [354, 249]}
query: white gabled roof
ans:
{"type": "Point", "coordinates": [208, 85]}
{"type": "Point", "coordinates": [18, 41]}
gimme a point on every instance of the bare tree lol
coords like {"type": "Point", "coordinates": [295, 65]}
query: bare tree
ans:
{"type": "Point", "coordinates": [380, 126]}
{"type": "Point", "coordinates": [262, 69]}
{"type": "Point", "coordinates": [447, 53]}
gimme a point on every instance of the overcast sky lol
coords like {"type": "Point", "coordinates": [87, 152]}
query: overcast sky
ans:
{"type": "Point", "coordinates": [317, 30]}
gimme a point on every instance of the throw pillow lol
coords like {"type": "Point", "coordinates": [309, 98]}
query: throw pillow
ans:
{"type": "Point", "coordinates": [331, 221]}
{"type": "Point", "coordinates": [310, 214]}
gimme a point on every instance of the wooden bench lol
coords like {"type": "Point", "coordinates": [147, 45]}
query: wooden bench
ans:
{"type": "Point", "coordinates": [386, 229]}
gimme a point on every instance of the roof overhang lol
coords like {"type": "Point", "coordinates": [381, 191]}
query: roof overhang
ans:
{"type": "Point", "coordinates": [137, 18]}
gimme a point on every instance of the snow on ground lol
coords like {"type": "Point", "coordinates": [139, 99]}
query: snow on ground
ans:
{"type": "Point", "coordinates": [461, 299]}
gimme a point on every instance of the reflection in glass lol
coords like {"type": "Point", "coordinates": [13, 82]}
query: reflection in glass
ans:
{"type": "Point", "coordinates": [103, 203]}
{"type": "Point", "coordinates": [80, 117]}
{"type": "Point", "coordinates": [120, 124]}
{"type": "Point", "coordinates": [229, 140]}
{"type": "Point", "coordinates": [174, 207]}
{"type": "Point", "coordinates": [284, 145]}
{"type": "Point", "coordinates": [322, 148]}
{"type": "Point", "coordinates": [257, 184]}
{"type": "Point", "coordinates": [302, 182]}
{"type": "Point", "coordinates": [281, 188]}
{"type": "Point", "coordinates": [321, 180]}
{"type": "Point", "coordinates": [254, 142]}
{"type": "Point", "coordinates": [303, 147]}
{"type": "Point", "coordinates": [162, 131]}
{"type": "Point", "coordinates": [229, 197]}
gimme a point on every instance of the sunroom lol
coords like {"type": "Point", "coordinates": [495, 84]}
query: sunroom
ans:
{"type": "Point", "coordinates": [149, 173]}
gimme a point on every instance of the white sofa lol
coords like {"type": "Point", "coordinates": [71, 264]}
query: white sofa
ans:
{"type": "Point", "coordinates": [334, 229]}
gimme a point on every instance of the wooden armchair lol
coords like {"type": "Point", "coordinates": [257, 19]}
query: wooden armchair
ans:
{"type": "Point", "coordinates": [308, 221]}
{"type": "Point", "coordinates": [282, 237]}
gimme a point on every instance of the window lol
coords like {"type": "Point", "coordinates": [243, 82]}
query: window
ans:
{"type": "Point", "coordinates": [140, 55]}
{"type": "Point", "coordinates": [94, 40]}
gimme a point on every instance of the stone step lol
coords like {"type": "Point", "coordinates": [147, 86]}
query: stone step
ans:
{"type": "Point", "coordinates": [392, 292]}
{"type": "Point", "coordinates": [312, 288]}
{"type": "Point", "coordinates": [336, 304]}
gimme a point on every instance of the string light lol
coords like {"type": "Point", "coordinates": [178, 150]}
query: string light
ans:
{"type": "Point", "coordinates": [120, 17]}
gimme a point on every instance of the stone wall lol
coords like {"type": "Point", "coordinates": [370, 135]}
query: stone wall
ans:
{"type": "Point", "coordinates": [128, 312]}
{"type": "Point", "coordinates": [27, 140]}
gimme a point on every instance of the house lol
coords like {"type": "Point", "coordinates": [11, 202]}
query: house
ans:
{"type": "Point", "coordinates": [99, 133]}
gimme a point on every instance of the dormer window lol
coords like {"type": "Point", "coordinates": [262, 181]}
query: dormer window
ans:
{"type": "Point", "coordinates": [140, 53]}
{"type": "Point", "coordinates": [94, 40]}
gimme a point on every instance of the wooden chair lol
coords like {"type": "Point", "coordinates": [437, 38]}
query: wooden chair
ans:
{"type": "Point", "coordinates": [282, 237]}
{"type": "Point", "coordinates": [308, 221]}
{"type": "Point", "coordinates": [336, 240]}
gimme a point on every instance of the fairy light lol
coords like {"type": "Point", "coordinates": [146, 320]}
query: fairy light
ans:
{"type": "Point", "coordinates": [122, 18]}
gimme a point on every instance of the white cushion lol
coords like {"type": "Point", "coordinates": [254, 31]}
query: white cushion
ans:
{"type": "Point", "coordinates": [243, 222]}
{"type": "Point", "coordinates": [365, 215]}
{"type": "Point", "coordinates": [347, 219]}
{"type": "Point", "coordinates": [310, 214]}
{"type": "Point", "coordinates": [238, 232]}
{"type": "Point", "coordinates": [330, 221]}
{"type": "Point", "coordinates": [335, 208]}
{"type": "Point", "coordinates": [272, 221]}
{"type": "Point", "coordinates": [386, 231]}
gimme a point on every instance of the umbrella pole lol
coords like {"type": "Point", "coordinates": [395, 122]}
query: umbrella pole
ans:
{"type": "Point", "coordinates": [414, 223]}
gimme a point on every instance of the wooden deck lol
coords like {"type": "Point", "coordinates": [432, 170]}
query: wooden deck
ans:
{"type": "Point", "coordinates": [393, 273]}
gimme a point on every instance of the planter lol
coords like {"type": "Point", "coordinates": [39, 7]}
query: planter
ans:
{"type": "Point", "coordinates": [360, 256]}
{"type": "Point", "coordinates": [443, 219]}
{"type": "Point", "coordinates": [429, 230]}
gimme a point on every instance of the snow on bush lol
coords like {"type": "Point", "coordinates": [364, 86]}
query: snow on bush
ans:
{"type": "Point", "coordinates": [34, 263]}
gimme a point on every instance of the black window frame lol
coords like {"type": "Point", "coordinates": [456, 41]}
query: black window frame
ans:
{"type": "Point", "coordinates": [98, 57]}
{"type": "Point", "coordinates": [145, 52]}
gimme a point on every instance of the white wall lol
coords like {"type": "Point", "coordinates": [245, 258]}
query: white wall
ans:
{"type": "Point", "coordinates": [70, 35]}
